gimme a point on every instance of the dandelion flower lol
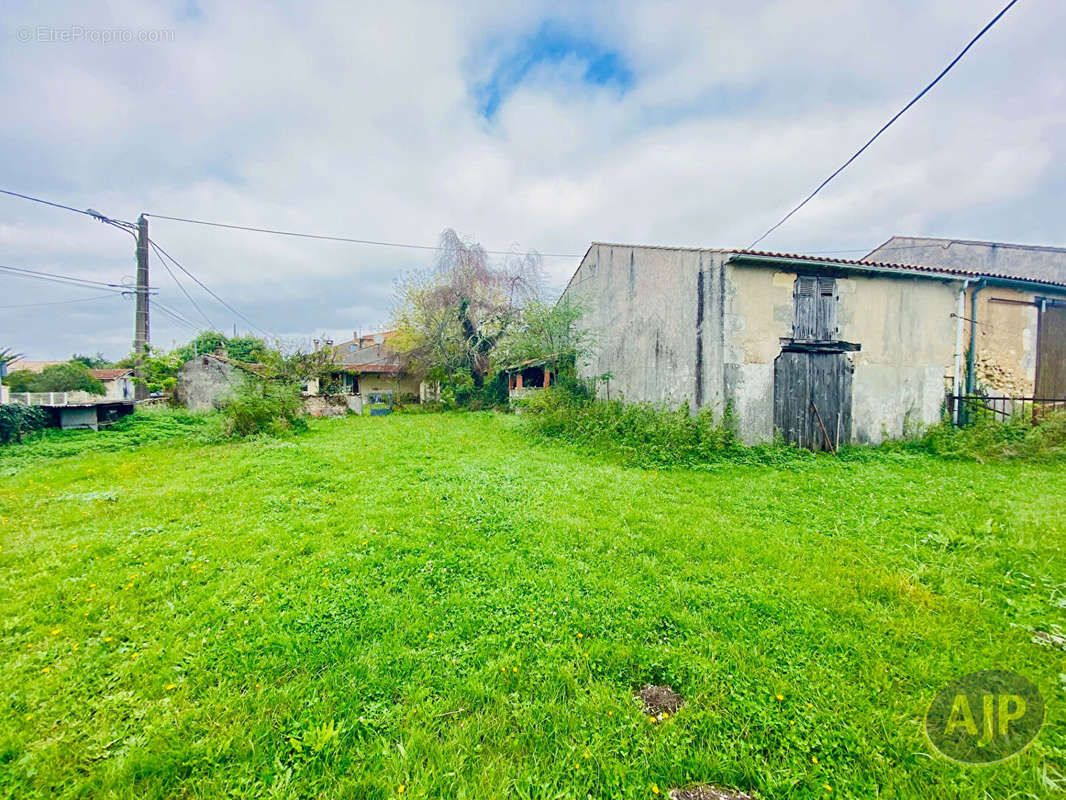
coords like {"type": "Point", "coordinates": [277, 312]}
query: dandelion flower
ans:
{"type": "Point", "coordinates": [610, 713]}
{"type": "Point", "coordinates": [135, 656]}
{"type": "Point", "coordinates": [666, 715]}
{"type": "Point", "coordinates": [580, 635]}
{"type": "Point", "coordinates": [401, 789]}
{"type": "Point", "coordinates": [514, 669]}
{"type": "Point", "coordinates": [430, 636]}
{"type": "Point", "coordinates": [814, 759]}
{"type": "Point", "coordinates": [46, 670]}
{"type": "Point", "coordinates": [828, 788]}
{"type": "Point", "coordinates": [779, 698]}
{"type": "Point", "coordinates": [108, 639]}
{"type": "Point", "coordinates": [57, 631]}
{"type": "Point", "coordinates": [29, 717]}
{"type": "Point", "coordinates": [171, 686]}
{"type": "Point", "coordinates": [654, 789]}
{"type": "Point", "coordinates": [588, 754]}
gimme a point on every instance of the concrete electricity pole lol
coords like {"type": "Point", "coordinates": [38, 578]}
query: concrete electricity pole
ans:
{"type": "Point", "coordinates": [141, 337]}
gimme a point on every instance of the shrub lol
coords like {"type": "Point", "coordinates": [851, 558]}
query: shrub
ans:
{"type": "Point", "coordinates": [16, 420]}
{"type": "Point", "coordinates": [261, 406]}
{"type": "Point", "coordinates": [990, 439]}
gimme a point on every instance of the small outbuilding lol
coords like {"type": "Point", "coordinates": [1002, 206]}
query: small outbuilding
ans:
{"type": "Point", "coordinates": [207, 381]}
{"type": "Point", "coordinates": [823, 351]}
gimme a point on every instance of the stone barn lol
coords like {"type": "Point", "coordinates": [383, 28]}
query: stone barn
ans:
{"type": "Point", "coordinates": [823, 351]}
{"type": "Point", "coordinates": [206, 381]}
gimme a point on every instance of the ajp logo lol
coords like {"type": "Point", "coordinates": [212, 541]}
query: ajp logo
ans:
{"type": "Point", "coordinates": [985, 717]}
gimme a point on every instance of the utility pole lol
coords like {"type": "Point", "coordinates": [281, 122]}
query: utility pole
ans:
{"type": "Point", "coordinates": [141, 338]}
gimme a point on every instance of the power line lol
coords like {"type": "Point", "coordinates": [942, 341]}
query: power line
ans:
{"type": "Point", "coordinates": [347, 239]}
{"type": "Point", "coordinates": [62, 302]}
{"type": "Point", "coordinates": [177, 316]}
{"type": "Point", "coordinates": [181, 286]}
{"type": "Point", "coordinates": [888, 124]}
{"type": "Point", "coordinates": [65, 280]}
{"type": "Point", "coordinates": [87, 212]}
{"type": "Point", "coordinates": [204, 286]}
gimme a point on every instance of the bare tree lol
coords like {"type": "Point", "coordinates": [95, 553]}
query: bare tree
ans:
{"type": "Point", "coordinates": [450, 317]}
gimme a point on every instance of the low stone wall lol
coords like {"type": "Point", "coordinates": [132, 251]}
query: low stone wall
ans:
{"type": "Point", "coordinates": [332, 405]}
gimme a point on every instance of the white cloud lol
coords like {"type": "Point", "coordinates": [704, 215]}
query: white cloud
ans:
{"type": "Point", "coordinates": [365, 122]}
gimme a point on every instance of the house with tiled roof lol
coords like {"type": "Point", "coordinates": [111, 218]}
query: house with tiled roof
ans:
{"type": "Point", "coordinates": [821, 351]}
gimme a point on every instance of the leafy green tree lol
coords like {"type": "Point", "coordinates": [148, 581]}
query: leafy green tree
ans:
{"type": "Point", "coordinates": [249, 349]}
{"type": "Point", "coordinates": [69, 377]}
{"type": "Point", "coordinates": [159, 369]}
{"type": "Point", "coordinates": [546, 331]}
{"type": "Point", "coordinates": [92, 362]}
{"type": "Point", "coordinates": [21, 380]}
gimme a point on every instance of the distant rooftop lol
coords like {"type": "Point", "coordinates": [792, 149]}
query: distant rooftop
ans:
{"type": "Point", "coordinates": [1025, 261]}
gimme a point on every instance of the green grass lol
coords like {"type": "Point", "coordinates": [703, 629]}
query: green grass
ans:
{"type": "Point", "coordinates": [442, 603]}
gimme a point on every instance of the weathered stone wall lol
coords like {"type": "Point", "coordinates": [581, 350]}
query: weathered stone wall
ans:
{"type": "Point", "coordinates": [1005, 355]}
{"type": "Point", "coordinates": [204, 383]}
{"type": "Point", "coordinates": [903, 324]}
{"type": "Point", "coordinates": [655, 314]}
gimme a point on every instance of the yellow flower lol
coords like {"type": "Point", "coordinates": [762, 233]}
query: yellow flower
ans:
{"type": "Point", "coordinates": [588, 754]}
{"type": "Point", "coordinates": [814, 759]}
{"type": "Point", "coordinates": [779, 698]}
{"type": "Point", "coordinates": [580, 636]}
{"type": "Point", "coordinates": [654, 789]}
{"type": "Point", "coordinates": [610, 713]}
{"type": "Point", "coordinates": [135, 656]}
{"type": "Point", "coordinates": [514, 669]}
{"type": "Point", "coordinates": [170, 686]}
{"type": "Point", "coordinates": [75, 645]}
{"type": "Point", "coordinates": [666, 715]}
{"type": "Point", "coordinates": [430, 636]}
{"type": "Point", "coordinates": [108, 639]}
{"type": "Point", "coordinates": [828, 788]}
{"type": "Point", "coordinates": [401, 789]}
{"type": "Point", "coordinates": [46, 670]}
{"type": "Point", "coordinates": [92, 585]}
{"type": "Point", "coordinates": [652, 720]}
{"type": "Point", "coordinates": [110, 607]}
{"type": "Point", "coordinates": [29, 717]}
{"type": "Point", "coordinates": [57, 631]}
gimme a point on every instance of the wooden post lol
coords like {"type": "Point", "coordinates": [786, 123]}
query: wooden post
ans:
{"type": "Point", "coordinates": [518, 381]}
{"type": "Point", "coordinates": [547, 377]}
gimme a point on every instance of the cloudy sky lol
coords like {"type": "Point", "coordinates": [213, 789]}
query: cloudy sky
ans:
{"type": "Point", "coordinates": [522, 125]}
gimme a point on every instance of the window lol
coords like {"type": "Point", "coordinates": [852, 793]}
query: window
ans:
{"type": "Point", "coordinates": [814, 309]}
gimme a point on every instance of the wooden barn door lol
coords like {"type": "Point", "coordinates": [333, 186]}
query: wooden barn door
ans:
{"type": "Point", "coordinates": [1051, 353]}
{"type": "Point", "coordinates": [812, 398]}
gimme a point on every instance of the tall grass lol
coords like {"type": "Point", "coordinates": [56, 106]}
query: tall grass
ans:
{"type": "Point", "coordinates": [645, 434]}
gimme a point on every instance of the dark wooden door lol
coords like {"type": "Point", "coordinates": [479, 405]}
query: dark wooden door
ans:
{"type": "Point", "coordinates": [809, 386]}
{"type": "Point", "coordinates": [1051, 353]}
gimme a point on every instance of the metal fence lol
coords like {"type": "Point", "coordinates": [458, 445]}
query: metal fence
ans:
{"type": "Point", "coordinates": [969, 408]}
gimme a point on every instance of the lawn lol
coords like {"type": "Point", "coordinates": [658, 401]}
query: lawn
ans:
{"type": "Point", "coordinates": [441, 606]}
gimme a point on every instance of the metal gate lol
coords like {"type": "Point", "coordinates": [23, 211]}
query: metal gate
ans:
{"type": "Point", "coordinates": [812, 398]}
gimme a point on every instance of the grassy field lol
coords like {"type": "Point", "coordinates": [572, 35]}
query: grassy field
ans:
{"type": "Point", "coordinates": [440, 606]}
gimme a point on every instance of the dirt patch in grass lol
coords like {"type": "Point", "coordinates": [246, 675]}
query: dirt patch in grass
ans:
{"type": "Point", "coordinates": [659, 699]}
{"type": "Point", "coordinates": [708, 792]}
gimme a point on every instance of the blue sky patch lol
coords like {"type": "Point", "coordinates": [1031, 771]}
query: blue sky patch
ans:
{"type": "Point", "coordinates": [552, 45]}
